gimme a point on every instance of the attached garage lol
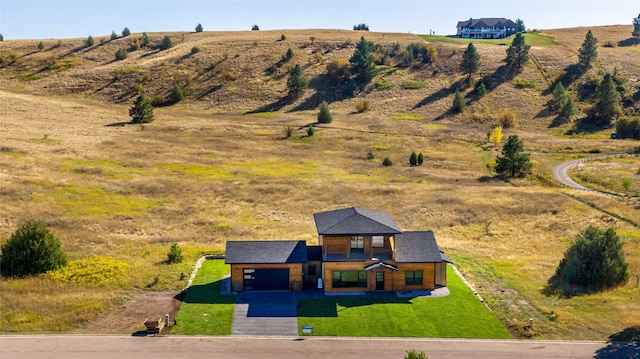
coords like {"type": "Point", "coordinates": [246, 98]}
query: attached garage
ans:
{"type": "Point", "coordinates": [266, 265]}
{"type": "Point", "coordinates": [266, 279]}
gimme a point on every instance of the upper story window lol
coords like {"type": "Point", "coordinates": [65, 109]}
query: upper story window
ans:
{"type": "Point", "coordinates": [357, 244]}
{"type": "Point", "coordinates": [377, 241]}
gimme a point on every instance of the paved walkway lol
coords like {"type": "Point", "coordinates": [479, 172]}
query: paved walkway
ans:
{"type": "Point", "coordinates": [265, 313]}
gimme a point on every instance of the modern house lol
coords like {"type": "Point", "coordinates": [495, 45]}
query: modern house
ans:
{"type": "Point", "coordinates": [359, 250]}
{"type": "Point", "coordinates": [486, 28]}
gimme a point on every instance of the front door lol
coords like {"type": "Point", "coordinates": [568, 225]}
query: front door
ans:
{"type": "Point", "coordinates": [379, 280]}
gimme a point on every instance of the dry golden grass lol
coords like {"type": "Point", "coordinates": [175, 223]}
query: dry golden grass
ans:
{"type": "Point", "coordinates": [203, 173]}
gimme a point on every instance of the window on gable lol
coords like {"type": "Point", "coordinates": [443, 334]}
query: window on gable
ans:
{"type": "Point", "coordinates": [377, 241]}
{"type": "Point", "coordinates": [414, 278]}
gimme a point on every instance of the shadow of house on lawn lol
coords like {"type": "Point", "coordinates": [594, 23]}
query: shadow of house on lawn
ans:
{"type": "Point", "coordinates": [205, 294]}
{"type": "Point", "coordinates": [624, 344]}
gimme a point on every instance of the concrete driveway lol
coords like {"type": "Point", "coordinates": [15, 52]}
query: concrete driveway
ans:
{"type": "Point", "coordinates": [265, 314]}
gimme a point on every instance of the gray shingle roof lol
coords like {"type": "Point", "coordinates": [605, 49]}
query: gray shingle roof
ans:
{"type": "Point", "coordinates": [353, 221]}
{"type": "Point", "coordinates": [418, 247]}
{"type": "Point", "coordinates": [487, 22]}
{"type": "Point", "coordinates": [264, 252]}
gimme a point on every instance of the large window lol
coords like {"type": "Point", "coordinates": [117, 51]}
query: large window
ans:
{"type": "Point", "coordinates": [357, 244]}
{"type": "Point", "coordinates": [349, 279]}
{"type": "Point", "coordinates": [414, 278]}
{"type": "Point", "coordinates": [377, 241]}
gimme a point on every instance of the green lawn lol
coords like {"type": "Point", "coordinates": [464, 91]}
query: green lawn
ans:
{"type": "Point", "coordinates": [458, 315]}
{"type": "Point", "coordinates": [204, 311]}
{"type": "Point", "coordinates": [531, 38]}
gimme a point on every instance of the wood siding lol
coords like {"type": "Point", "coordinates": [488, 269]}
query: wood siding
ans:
{"type": "Point", "coordinates": [342, 245]}
{"type": "Point", "coordinates": [393, 280]}
{"type": "Point", "coordinates": [237, 274]}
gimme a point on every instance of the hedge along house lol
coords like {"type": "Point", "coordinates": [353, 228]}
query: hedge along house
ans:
{"type": "Point", "coordinates": [359, 250]}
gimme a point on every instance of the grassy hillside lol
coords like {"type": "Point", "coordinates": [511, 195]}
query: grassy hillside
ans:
{"type": "Point", "coordinates": [203, 172]}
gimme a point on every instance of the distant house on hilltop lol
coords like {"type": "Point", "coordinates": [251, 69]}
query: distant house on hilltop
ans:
{"type": "Point", "coordinates": [486, 28]}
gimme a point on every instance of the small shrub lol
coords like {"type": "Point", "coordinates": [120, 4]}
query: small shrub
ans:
{"type": "Point", "coordinates": [288, 132]}
{"type": "Point", "coordinates": [310, 131]}
{"type": "Point", "coordinates": [481, 89]}
{"type": "Point", "coordinates": [507, 119]}
{"type": "Point", "coordinates": [40, 46]}
{"type": "Point", "coordinates": [609, 44]}
{"type": "Point", "coordinates": [387, 162]}
{"type": "Point", "coordinates": [255, 28]}
{"type": "Point", "coordinates": [114, 35]}
{"type": "Point", "coordinates": [289, 55]}
{"type": "Point", "coordinates": [195, 50]}
{"type": "Point", "coordinates": [145, 40]}
{"type": "Point", "coordinates": [121, 54]}
{"type": "Point", "coordinates": [199, 28]}
{"type": "Point", "coordinates": [89, 42]}
{"type": "Point", "coordinates": [413, 85]}
{"type": "Point", "coordinates": [370, 155]}
{"type": "Point", "coordinates": [283, 37]}
{"type": "Point", "coordinates": [595, 150]}
{"type": "Point", "coordinates": [167, 43]}
{"type": "Point", "coordinates": [413, 354]}
{"type": "Point", "coordinates": [312, 39]}
{"type": "Point", "coordinates": [524, 83]}
{"type": "Point", "coordinates": [230, 76]}
{"type": "Point", "coordinates": [126, 32]}
{"type": "Point", "coordinates": [175, 254]}
{"type": "Point", "coordinates": [338, 71]}
{"type": "Point", "coordinates": [134, 45]}
{"type": "Point", "coordinates": [420, 159]}
{"type": "Point", "coordinates": [363, 106]}
{"type": "Point", "coordinates": [158, 101]}
{"type": "Point", "coordinates": [383, 85]}
{"type": "Point", "coordinates": [324, 116]}
{"type": "Point", "coordinates": [458, 104]}
{"type": "Point", "coordinates": [59, 43]}
{"type": "Point", "coordinates": [177, 94]}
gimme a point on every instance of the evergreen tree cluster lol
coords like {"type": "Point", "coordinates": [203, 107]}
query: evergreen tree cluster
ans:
{"type": "Point", "coordinates": [594, 262]}
{"type": "Point", "coordinates": [628, 128]}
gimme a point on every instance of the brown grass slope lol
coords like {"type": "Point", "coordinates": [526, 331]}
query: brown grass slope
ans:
{"type": "Point", "coordinates": [203, 173]}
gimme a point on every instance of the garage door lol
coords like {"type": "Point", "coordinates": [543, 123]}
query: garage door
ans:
{"type": "Point", "coordinates": [266, 279]}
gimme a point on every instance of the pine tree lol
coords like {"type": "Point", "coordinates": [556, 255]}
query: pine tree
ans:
{"type": "Point", "coordinates": [481, 89]}
{"type": "Point", "coordinates": [458, 103]}
{"type": "Point", "coordinates": [126, 32]}
{"type": "Point", "coordinates": [114, 35]}
{"type": "Point", "coordinates": [520, 26]}
{"type": "Point", "coordinates": [199, 28]}
{"type": "Point", "coordinates": [607, 106]}
{"type": "Point", "coordinates": [32, 249]}
{"type": "Point", "coordinates": [420, 159]}
{"type": "Point", "coordinates": [324, 116]}
{"type": "Point", "coordinates": [141, 111]}
{"type": "Point", "coordinates": [588, 52]}
{"type": "Point", "coordinates": [362, 62]}
{"type": "Point", "coordinates": [470, 61]}
{"type": "Point", "coordinates": [167, 43]}
{"type": "Point", "coordinates": [518, 52]}
{"type": "Point", "coordinates": [514, 162]}
{"type": "Point", "coordinates": [145, 40]}
{"type": "Point", "coordinates": [559, 97]}
{"type": "Point", "coordinates": [594, 262]}
{"type": "Point", "coordinates": [296, 84]}
{"type": "Point", "coordinates": [40, 46]}
{"type": "Point", "coordinates": [636, 28]}
{"type": "Point", "coordinates": [568, 109]}
{"type": "Point", "coordinates": [89, 42]}
{"type": "Point", "coordinates": [413, 159]}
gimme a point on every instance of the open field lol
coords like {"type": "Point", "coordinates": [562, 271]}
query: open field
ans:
{"type": "Point", "coordinates": [203, 173]}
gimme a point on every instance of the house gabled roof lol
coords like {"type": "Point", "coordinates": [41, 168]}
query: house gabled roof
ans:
{"type": "Point", "coordinates": [418, 247]}
{"type": "Point", "coordinates": [265, 252]}
{"type": "Point", "coordinates": [354, 221]}
{"type": "Point", "coordinates": [487, 22]}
